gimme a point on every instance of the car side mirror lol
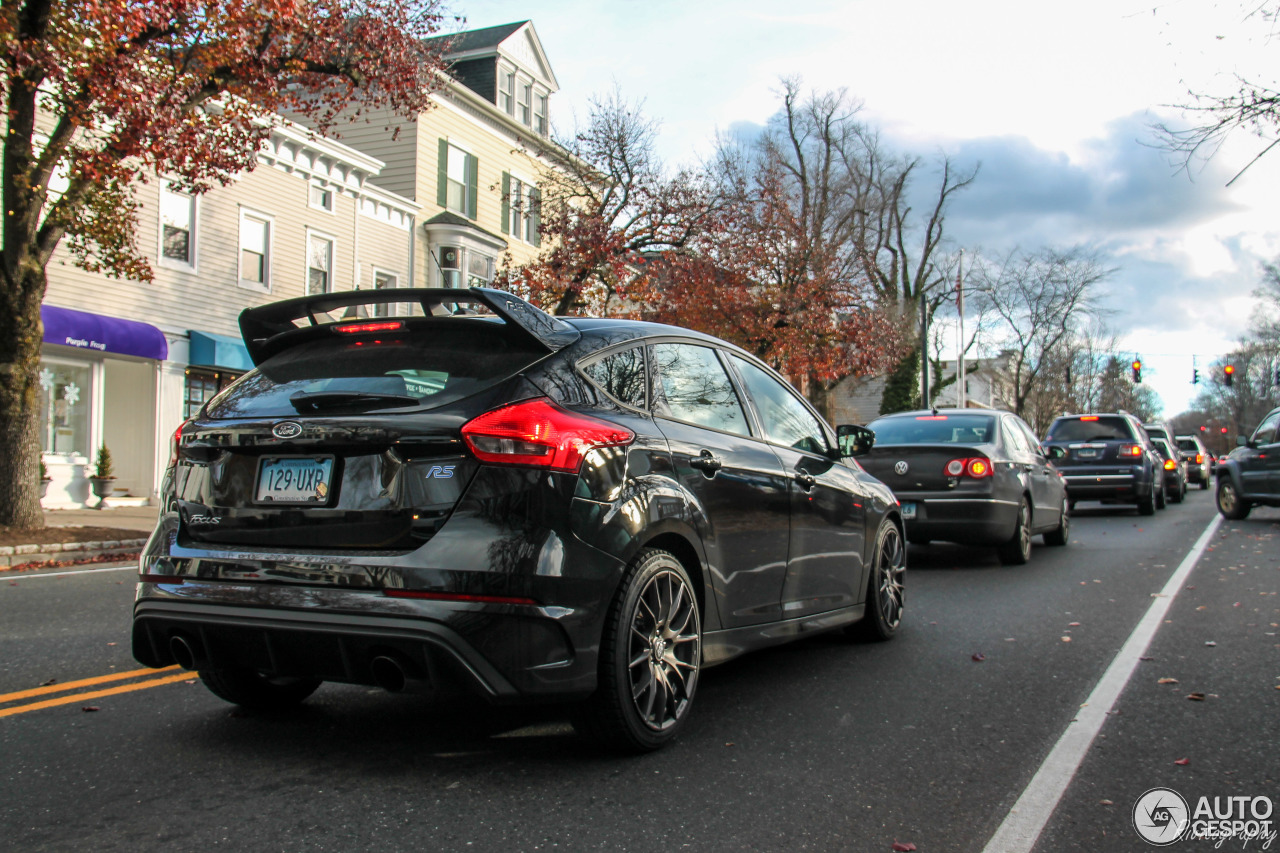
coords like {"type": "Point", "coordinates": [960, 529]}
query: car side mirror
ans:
{"type": "Point", "coordinates": [1056, 452]}
{"type": "Point", "coordinates": [854, 440]}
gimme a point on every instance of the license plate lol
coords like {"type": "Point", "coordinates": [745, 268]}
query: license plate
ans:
{"type": "Point", "coordinates": [294, 479]}
{"type": "Point", "coordinates": [1087, 453]}
{"type": "Point", "coordinates": [908, 510]}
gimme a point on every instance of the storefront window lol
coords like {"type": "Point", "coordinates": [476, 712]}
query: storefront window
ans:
{"type": "Point", "coordinates": [203, 386]}
{"type": "Point", "coordinates": [64, 406]}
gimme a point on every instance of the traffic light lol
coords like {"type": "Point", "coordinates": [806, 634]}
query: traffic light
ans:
{"type": "Point", "coordinates": [1195, 376]}
{"type": "Point", "coordinates": [1137, 371]}
{"type": "Point", "coordinates": [1229, 375]}
{"type": "Point", "coordinates": [1204, 429]}
{"type": "Point", "coordinates": [1223, 430]}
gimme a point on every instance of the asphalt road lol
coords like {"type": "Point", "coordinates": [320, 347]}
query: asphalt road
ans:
{"type": "Point", "coordinates": [822, 745]}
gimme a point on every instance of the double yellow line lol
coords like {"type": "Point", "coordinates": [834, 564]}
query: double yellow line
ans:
{"type": "Point", "coordinates": [82, 695]}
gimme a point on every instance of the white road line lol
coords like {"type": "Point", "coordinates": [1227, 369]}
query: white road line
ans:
{"type": "Point", "coordinates": [1027, 819]}
{"type": "Point", "coordinates": [13, 576]}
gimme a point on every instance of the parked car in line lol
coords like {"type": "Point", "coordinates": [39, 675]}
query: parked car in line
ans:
{"type": "Point", "coordinates": [1159, 429]}
{"type": "Point", "coordinates": [1175, 471]}
{"type": "Point", "coordinates": [1250, 475]}
{"type": "Point", "coordinates": [1198, 459]}
{"type": "Point", "coordinates": [523, 506]}
{"type": "Point", "coordinates": [972, 477]}
{"type": "Point", "coordinates": [1108, 457]}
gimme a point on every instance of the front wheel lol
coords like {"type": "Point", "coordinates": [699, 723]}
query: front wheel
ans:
{"type": "Point", "coordinates": [885, 587]}
{"type": "Point", "coordinates": [650, 657]}
{"type": "Point", "coordinates": [1017, 551]}
{"type": "Point", "coordinates": [1230, 504]}
{"type": "Point", "coordinates": [1060, 534]}
{"type": "Point", "coordinates": [250, 689]}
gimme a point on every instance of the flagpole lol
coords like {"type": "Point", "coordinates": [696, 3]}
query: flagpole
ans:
{"type": "Point", "coordinates": [960, 377]}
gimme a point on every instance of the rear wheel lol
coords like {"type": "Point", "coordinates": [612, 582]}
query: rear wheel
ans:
{"type": "Point", "coordinates": [1060, 534]}
{"type": "Point", "coordinates": [885, 587]}
{"type": "Point", "coordinates": [241, 686]}
{"type": "Point", "coordinates": [1230, 504]}
{"type": "Point", "coordinates": [1162, 499]}
{"type": "Point", "coordinates": [1017, 550]}
{"type": "Point", "coordinates": [650, 657]}
{"type": "Point", "coordinates": [1204, 484]}
{"type": "Point", "coordinates": [1177, 496]}
{"type": "Point", "coordinates": [1147, 503]}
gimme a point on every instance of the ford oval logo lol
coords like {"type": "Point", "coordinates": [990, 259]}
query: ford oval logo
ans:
{"type": "Point", "coordinates": [900, 468]}
{"type": "Point", "coordinates": [287, 429]}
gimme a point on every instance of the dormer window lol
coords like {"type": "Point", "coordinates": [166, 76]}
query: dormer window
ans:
{"type": "Point", "coordinates": [507, 91]}
{"type": "Point", "coordinates": [540, 114]}
{"type": "Point", "coordinates": [525, 102]}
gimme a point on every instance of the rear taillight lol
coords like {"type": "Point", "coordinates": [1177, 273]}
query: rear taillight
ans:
{"type": "Point", "coordinates": [540, 434]}
{"type": "Point", "coordinates": [976, 467]}
{"type": "Point", "coordinates": [175, 441]}
{"type": "Point", "coordinates": [1169, 464]}
{"type": "Point", "coordinates": [1199, 458]}
{"type": "Point", "coordinates": [1130, 450]}
{"type": "Point", "coordinates": [361, 328]}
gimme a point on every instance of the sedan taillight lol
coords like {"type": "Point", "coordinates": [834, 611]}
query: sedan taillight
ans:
{"type": "Point", "coordinates": [540, 434]}
{"type": "Point", "coordinates": [175, 441]}
{"type": "Point", "coordinates": [976, 467]}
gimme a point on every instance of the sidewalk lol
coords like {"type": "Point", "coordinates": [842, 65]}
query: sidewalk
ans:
{"type": "Point", "coordinates": [132, 517]}
{"type": "Point", "coordinates": [92, 536]}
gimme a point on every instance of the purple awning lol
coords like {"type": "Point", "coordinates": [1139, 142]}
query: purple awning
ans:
{"type": "Point", "coordinates": [83, 330]}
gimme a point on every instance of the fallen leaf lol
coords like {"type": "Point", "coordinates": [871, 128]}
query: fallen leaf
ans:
{"type": "Point", "coordinates": [1146, 658]}
{"type": "Point", "coordinates": [1182, 762]}
{"type": "Point", "coordinates": [902, 847]}
{"type": "Point", "coordinates": [1073, 624]}
{"type": "Point", "coordinates": [1202, 607]}
{"type": "Point", "coordinates": [979, 657]}
{"type": "Point", "coordinates": [1105, 803]}
{"type": "Point", "coordinates": [730, 743]}
{"type": "Point", "coordinates": [47, 683]}
{"type": "Point", "coordinates": [1167, 681]}
{"type": "Point", "coordinates": [1210, 643]}
{"type": "Point", "coordinates": [89, 708]}
{"type": "Point", "coordinates": [1196, 697]}
{"type": "Point", "coordinates": [1237, 604]}
{"type": "Point", "coordinates": [1066, 639]}
{"type": "Point", "coordinates": [110, 644]}
{"type": "Point", "coordinates": [1188, 587]}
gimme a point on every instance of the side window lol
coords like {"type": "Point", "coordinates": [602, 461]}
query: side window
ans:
{"type": "Point", "coordinates": [621, 375]}
{"type": "Point", "coordinates": [1266, 431]}
{"type": "Point", "coordinates": [1013, 440]}
{"type": "Point", "coordinates": [785, 419]}
{"type": "Point", "coordinates": [1029, 438]}
{"type": "Point", "coordinates": [695, 388]}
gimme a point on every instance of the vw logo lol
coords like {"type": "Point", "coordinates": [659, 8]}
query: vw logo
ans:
{"type": "Point", "coordinates": [900, 468]}
{"type": "Point", "coordinates": [286, 429]}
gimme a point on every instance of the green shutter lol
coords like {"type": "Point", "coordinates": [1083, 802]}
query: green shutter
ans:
{"type": "Point", "coordinates": [442, 179]}
{"type": "Point", "coordinates": [506, 203]}
{"type": "Point", "coordinates": [473, 182]}
{"type": "Point", "coordinates": [535, 214]}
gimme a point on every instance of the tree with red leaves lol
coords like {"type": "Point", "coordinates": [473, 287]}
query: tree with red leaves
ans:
{"type": "Point", "coordinates": [104, 93]}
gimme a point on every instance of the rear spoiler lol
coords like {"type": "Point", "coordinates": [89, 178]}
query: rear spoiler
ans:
{"type": "Point", "coordinates": [264, 328]}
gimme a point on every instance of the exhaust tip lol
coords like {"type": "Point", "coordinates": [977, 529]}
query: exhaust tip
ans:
{"type": "Point", "coordinates": [388, 673]}
{"type": "Point", "coordinates": [183, 653]}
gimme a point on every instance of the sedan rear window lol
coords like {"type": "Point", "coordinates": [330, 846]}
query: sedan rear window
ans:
{"type": "Point", "coordinates": [1090, 428]}
{"type": "Point", "coordinates": [407, 373]}
{"type": "Point", "coordinates": [935, 429]}
{"type": "Point", "coordinates": [1188, 444]}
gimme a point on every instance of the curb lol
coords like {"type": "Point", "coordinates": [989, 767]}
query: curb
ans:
{"type": "Point", "coordinates": [19, 557]}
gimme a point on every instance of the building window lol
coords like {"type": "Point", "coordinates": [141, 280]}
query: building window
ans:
{"type": "Point", "coordinates": [321, 197]}
{"type": "Point", "coordinates": [520, 210]}
{"type": "Point", "coordinates": [384, 281]}
{"type": "Point", "coordinates": [319, 264]}
{"type": "Point", "coordinates": [540, 114]}
{"type": "Point", "coordinates": [450, 266]}
{"type": "Point", "coordinates": [203, 386]}
{"type": "Point", "coordinates": [507, 91]}
{"type": "Point", "coordinates": [177, 227]}
{"type": "Point", "coordinates": [255, 250]}
{"type": "Point", "coordinates": [526, 97]}
{"type": "Point", "coordinates": [458, 179]}
{"type": "Point", "coordinates": [65, 397]}
{"type": "Point", "coordinates": [479, 269]}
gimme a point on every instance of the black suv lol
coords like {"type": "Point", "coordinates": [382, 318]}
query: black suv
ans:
{"type": "Point", "coordinates": [1251, 473]}
{"type": "Point", "coordinates": [494, 499]}
{"type": "Point", "coordinates": [1107, 457]}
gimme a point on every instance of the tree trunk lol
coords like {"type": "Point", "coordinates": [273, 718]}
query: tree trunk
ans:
{"type": "Point", "coordinates": [20, 336]}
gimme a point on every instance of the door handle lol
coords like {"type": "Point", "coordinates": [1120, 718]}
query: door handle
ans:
{"type": "Point", "coordinates": [806, 481]}
{"type": "Point", "coordinates": [707, 462]}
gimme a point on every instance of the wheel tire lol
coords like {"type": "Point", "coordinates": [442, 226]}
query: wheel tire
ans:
{"type": "Point", "coordinates": [1017, 551]}
{"type": "Point", "coordinates": [1230, 504]}
{"type": "Point", "coordinates": [886, 589]}
{"type": "Point", "coordinates": [1062, 533]}
{"type": "Point", "coordinates": [651, 650]}
{"type": "Point", "coordinates": [1162, 498]}
{"type": "Point", "coordinates": [254, 690]}
{"type": "Point", "coordinates": [1204, 484]}
{"type": "Point", "coordinates": [1148, 504]}
{"type": "Point", "coordinates": [1177, 496]}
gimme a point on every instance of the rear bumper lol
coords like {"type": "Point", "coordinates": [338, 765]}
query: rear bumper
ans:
{"type": "Point", "coordinates": [1127, 486]}
{"type": "Point", "coordinates": [969, 521]}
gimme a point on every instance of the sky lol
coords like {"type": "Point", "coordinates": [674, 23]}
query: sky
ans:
{"type": "Point", "coordinates": [1053, 102]}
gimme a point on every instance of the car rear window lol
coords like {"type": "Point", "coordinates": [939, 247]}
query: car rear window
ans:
{"type": "Point", "coordinates": [407, 373]}
{"type": "Point", "coordinates": [934, 429]}
{"type": "Point", "coordinates": [1188, 444]}
{"type": "Point", "coordinates": [1090, 428]}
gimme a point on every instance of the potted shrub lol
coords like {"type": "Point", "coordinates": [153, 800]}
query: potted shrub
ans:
{"type": "Point", "coordinates": [45, 480]}
{"type": "Point", "coordinates": [103, 478]}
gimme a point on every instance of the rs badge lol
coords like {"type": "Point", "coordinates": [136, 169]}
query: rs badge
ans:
{"type": "Point", "coordinates": [440, 472]}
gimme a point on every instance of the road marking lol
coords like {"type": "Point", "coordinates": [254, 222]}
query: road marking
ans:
{"type": "Point", "coordinates": [84, 682]}
{"type": "Point", "coordinates": [96, 694]}
{"type": "Point", "coordinates": [26, 575]}
{"type": "Point", "coordinates": [1026, 820]}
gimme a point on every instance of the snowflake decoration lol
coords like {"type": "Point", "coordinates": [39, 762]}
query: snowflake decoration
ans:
{"type": "Point", "coordinates": [71, 393]}
{"type": "Point", "coordinates": [46, 379]}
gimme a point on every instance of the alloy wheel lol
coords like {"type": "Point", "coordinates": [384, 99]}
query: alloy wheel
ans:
{"type": "Point", "coordinates": [665, 650]}
{"type": "Point", "coordinates": [891, 568]}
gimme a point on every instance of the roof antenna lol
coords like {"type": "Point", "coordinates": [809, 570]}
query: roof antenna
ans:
{"type": "Point", "coordinates": [934, 408]}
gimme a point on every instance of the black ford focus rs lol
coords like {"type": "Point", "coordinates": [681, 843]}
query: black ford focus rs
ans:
{"type": "Point", "coordinates": [461, 492]}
